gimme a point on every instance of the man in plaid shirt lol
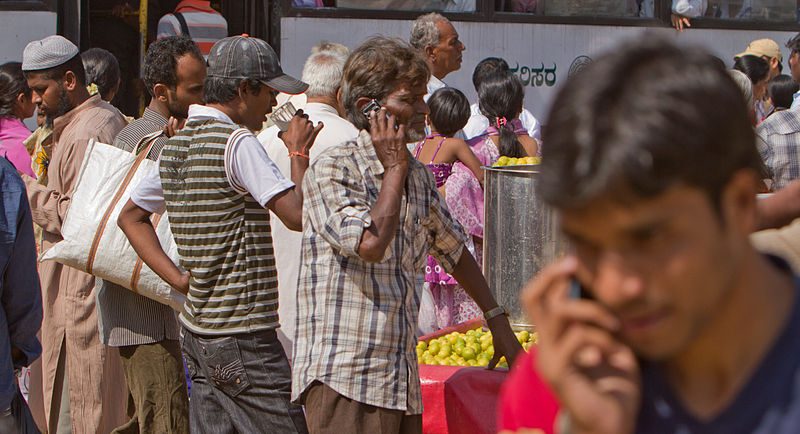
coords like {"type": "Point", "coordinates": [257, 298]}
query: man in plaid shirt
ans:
{"type": "Point", "coordinates": [371, 216]}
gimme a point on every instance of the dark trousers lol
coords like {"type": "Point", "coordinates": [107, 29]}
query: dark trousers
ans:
{"type": "Point", "coordinates": [328, 412]}
{"type": "Point", "coordinates": [240, 384]}
{"type": "Point", "coordinates": [157, 400]}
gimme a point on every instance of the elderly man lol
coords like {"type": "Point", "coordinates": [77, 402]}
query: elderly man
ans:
{"type": "Point", "coordinates": [83, 381]}
{"type": "Point", "coordinates": [145, 331]}
{"type": "Point", "coordinates": [371, 216]}
{"type": "Point", "coordinates": [217, 183]}
{"type": "Point", "coordinates": [323, 73]}
{"type": "Point", "coordinates": [635, 325]}
{"type": "Point", "coordinates": [437, 42]}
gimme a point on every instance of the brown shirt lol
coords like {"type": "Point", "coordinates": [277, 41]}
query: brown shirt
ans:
{"type": "Point", "coordinates": [97, 393]}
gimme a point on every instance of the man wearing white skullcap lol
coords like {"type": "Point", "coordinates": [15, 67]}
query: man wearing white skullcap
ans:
{"type": "Point", "coordinates": [84, 388]}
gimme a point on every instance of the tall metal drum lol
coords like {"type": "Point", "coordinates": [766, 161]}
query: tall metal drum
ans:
{"type": "Point", "coordinates": [521, 234]}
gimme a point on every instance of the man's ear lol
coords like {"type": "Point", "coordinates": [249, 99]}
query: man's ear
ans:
{"type": "Point", "coordinates": [244, 89]}
{"type": "Point", "coordinates": [738, 201]}
{"type": "Point", "coordinates": [430, 52]}
{"type": "Point", "coordinates": [161, 92]}
{"type": "Point", "coordinates": [362, 102]}
{"type": "Point", "coordinates": [70, 81]}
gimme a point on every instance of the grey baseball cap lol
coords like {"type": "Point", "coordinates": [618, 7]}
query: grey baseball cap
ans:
{"type": "Point", "coordinates": [48, 53]}
{"type": "Point", "coordinates": [245, 57]}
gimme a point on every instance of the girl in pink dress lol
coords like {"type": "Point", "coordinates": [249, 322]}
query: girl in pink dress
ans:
{"type": "Point", "coordinates": [449, 112]}
{"type": "Point", "coordinates": [16, 105]}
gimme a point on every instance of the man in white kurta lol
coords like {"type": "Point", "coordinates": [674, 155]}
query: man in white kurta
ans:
{"type": "Point", "coordinates": [323, 73]}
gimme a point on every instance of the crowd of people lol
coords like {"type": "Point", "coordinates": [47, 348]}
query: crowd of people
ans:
{"type": "Point", "coordinates": [314, 251]}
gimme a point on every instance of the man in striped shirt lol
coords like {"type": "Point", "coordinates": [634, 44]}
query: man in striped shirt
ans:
{"type": "Point", "coordinates": [197, 20]}
{"type": "Point", "coordinates": [218, 184]}
{"type": "Point", "coordinates": [145, 330]}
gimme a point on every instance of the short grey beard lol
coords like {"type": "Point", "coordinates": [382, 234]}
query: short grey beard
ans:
{"type": "Point", "coordinates": [413, 136]}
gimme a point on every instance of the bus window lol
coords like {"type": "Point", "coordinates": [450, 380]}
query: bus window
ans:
{"type": "Point", "coordinates": [578, 8]}
{"type": "Point", "coordinates": [753, 10]}
{"type": "Point", "coordinates": [397, 5]}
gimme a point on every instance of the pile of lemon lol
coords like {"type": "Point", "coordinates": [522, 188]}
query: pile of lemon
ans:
{"type": "Point", "coordinates": [473, 348]}
{"type": "Point", "coordinates": [508, 161]}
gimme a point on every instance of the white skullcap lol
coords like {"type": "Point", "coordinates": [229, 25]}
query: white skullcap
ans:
{"type": "Point", "coordinates": [48, 53]}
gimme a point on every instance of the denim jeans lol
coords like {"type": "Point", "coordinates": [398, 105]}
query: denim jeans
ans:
{"type": "Point", "coordinates": [240, 383]}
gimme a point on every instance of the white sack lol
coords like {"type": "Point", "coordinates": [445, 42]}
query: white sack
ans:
{"type": "Point", "coordinates": [109, 174]}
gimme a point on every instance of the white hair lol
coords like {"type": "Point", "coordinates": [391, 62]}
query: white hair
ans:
{"type": "Point", "coordinates": [323, 73]}
{"type": "Point", "coordinates": [325, 46]}
{"type": "Point", "coordinates": [745, 85]}
{"type": "Point", "coordinates": [424, 31]}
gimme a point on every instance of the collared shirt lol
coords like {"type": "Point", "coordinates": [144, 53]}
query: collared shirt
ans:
{"type": "Point", "coordinates": [434, 84]}
{"type": "Point", "coordinates": [287, 254]}
{"type": "Point", "coordinates": [21, 312]}
{"type": "Point", "coordinates": [125, 317]}
{"type": "Point", "coordinates": [778, 141]}
{"type": "Point", "coordinates": [356, 320]}
{"type": "Point", "coordinates": [246, 164]}
{"type": "Point", "coordinates": [150, 122]}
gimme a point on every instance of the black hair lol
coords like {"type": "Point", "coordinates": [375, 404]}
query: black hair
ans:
{"type": "Point", "coordinates": [449, 110]}
{"type": "Point", "coordinates": [161, 60]}
{"type": "Point", "coordinates": [57, 73]}
{"type": "Point", "coordinates": [754, 67]}
{"type": "Point", "coordinates": [781, 91]}
{"type": "Point", "coordinates": [794, 43]}
{"type": "Point", "coordinates": [500, 98]}
{"type": "Point", "coordinates": [487, 67]}
{"type": "Point", "coordinates": [12, 84]}
{"type": "Point", "coordinates": [643, 118]}
{"type": "Point", "coordinates": [222, 90]}
{"type": "Point", "coordinates": [102, 69]}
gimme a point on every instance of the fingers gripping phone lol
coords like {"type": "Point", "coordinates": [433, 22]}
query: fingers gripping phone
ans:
{"type": "Point", "coordinates": [577, 290]}
{"type": "Point", "coordinates": [373, 107]}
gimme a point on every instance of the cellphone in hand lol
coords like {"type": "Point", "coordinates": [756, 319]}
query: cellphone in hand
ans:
{"type": "Point", "coordinates": [370, 108]}
{"type": "Point", "coordinates": [577, 290]}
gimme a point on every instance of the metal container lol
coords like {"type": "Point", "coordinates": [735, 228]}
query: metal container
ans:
{"type": "Point", "coordinates": [521, 234]}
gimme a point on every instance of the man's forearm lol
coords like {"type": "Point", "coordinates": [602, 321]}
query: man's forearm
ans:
{"type": "Point", "coordinates": [299, 165]}
{"type": "Point", "coordinates": [136, 225]}
{"type": "Point", "coordinates": [469, 276]}
{"type": "Point", "coordinates": [385, 215]}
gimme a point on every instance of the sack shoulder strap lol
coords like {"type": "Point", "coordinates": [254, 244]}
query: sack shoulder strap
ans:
{"type": "Point", "coordinates": [182, 22]}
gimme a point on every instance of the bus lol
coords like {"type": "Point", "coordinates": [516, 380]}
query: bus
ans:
{"type": "Point", "coordinates": [544, 41]}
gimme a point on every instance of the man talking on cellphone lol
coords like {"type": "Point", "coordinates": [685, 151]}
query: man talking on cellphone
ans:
{"type": "Point", "coordinates": [682, 326]}
{"type": "Point", "coordinates": [371, 215]}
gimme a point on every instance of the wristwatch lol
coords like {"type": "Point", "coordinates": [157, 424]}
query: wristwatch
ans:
{"type": "Point", "coordinates": [495, 311]}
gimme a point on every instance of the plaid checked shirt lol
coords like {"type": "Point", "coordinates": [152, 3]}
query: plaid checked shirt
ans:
{"type": "Point", "coordinates": [356, 321]}
{"type": "Point", "coordinates": [778, 141]}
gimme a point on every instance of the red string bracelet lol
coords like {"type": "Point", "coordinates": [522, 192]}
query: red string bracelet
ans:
{"type": "Point", "coordinates": [298, 154]}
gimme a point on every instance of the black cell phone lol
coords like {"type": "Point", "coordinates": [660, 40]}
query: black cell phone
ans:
{"type": "Point", "coordinates": [371, 108]}
{"type": "Point", "coordinates": [577, 290]}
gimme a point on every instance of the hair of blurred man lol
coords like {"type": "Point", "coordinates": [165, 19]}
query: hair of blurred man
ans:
{"type": "Point", "coordinates": [648, 117]}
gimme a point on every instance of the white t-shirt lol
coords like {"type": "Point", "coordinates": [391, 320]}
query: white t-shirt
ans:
{"type": "Point", "coordinates": [247, 166]}
{"type": "Point", "coordinates": [287, 257]}
{"type": "Point", "coordinates": [478, 123]}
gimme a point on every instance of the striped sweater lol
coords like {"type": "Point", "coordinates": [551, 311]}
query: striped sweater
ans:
{"type": "Point", "coordinates": [223, 236]}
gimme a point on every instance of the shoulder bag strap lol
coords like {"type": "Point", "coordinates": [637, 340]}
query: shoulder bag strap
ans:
{"type": "Point", "coordinates": [117, 196]}
{"type": "Point", "coordinates": [182, 22]}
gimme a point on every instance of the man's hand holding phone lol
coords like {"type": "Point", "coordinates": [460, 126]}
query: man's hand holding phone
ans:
{"type": "Point", "coordinates": [595, 375]}
{"type": "Point", "coordinates": [389, 140]}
